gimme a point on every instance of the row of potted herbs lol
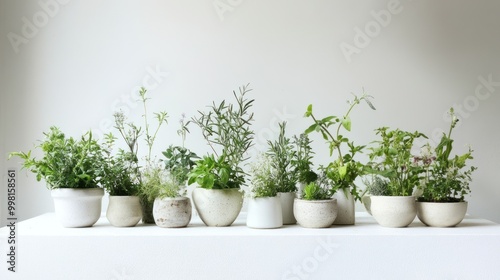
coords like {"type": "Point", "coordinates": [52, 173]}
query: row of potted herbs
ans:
{"type": "Point", "coordinates": [284, 187]}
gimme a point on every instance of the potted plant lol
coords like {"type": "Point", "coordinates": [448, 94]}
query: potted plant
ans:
{"type": "Point", "coordinates": [282, 155]}
{"type": "Point", "coordinates": [70, 168]}
{"type": "Point", "coordinates": [219, 175]}
{"type": "Point", "coordinates": [445, 183]}
{"type": "Point", "coordinates": [391, 158]}
{"type": "Point", "coordinates": [172, 208]}
{"type": "Point", "coordinates": [120, 178]}
{"type": "Point", "coordinates": [315, 208]}
{"type": "Point", "coordinates": [264, 207]}
{"type": "Point", "coordinates": [344, 170]}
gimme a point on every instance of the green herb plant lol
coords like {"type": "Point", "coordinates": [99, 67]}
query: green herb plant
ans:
{"type": "Point", "coordinates": [302, 162]}
{"type": "Point", "coordinates": [344, 170]}
{"type": "Point", "coordinates": [227, 129]}
{"type": "Point", "coordinates": [263, 177]}
{"type": "Point", "coordinates": [282, 155]}
{"type": "Point", "coordinates": [446, 178]}
{"type": "Point", "coordinates": [66, 162]}
{"type": "Point", "coordinates": [392, 158]}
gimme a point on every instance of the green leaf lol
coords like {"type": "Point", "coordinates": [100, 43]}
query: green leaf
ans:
{"type": "Point", "coordinates": [308, 111]}
{"type": "Point", "coordinates": [342, 171]}
{"type": "Point", "coordinates": [346, 123]}
{"type": "Point", "coordinates": [311, 128]}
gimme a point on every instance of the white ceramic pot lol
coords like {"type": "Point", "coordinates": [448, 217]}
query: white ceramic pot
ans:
{"type": "Point", "coordinates": [315, 213]}
{"type": "Point", "coordinates": [367, 203]}
{"type": "Point", "coordinates": [393, 211]}
{"type": "Point", "coordinates": [286, 201]}
{"type": "Point", "coordinates": [172, 212]}
{"type": "Point", "coordinates": [441, 214]}
{"type": "Point", "coordinates": [77, 207]}
{"type": "Point", "coordinates": [345, 204]}
{"type": "Point", "coordinates": [218, 207]}
{"type": "Point", "coordinates": [124, 211]}
{"type": "Point", "coordinates": [264, 212]}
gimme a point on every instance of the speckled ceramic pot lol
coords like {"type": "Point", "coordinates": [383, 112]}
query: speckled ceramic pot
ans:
{"type": "Point", "coordinates": [441, 214]}
{"type": "Point", "coordinates": [264, 212]}
{"type": "Point", "coordinates": [77, 207]}
{"type": "Point", "coordinates": [124, 211]}
{"type": "Point", "coordinates": [286, 201]}
{"type": "Point", "coordinates": [218, 208]}
{"type": "Point", "coordinates": [393, 211]}
{"type": "Point", "coordinates": [172, 212]}
{"type": "Point", "coordinates": [315, 213]}
{"type": "Point", "coordinates": [345, 204]}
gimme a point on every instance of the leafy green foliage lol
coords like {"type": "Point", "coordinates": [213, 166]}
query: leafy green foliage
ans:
{"type": "Point", "coordinates": [392, 159]}
{"type": "Point", "coordinates": [157, 182]}
{"type": "Point", "coordinates": [66, 162]}
{"type": "Point", "coordinates": [263, 181]}
{"type": "Point", "coordinates": [377, 186]}
{"type": "Point", "coordinates": [313, 191]}
{"type": "Point", "coordinates": [282, 155]}
{"type": "Point", "coordinates": [212, 173]}
{"type": "Point", "coordinates": [227, 126]}
{"type": "Point", "coordinates": [344, 170]}
{"type": "Point", "coordinates": [302, 161]}
{"type": "Point", "coordinates": [179, 162]}
{"type": "Point", "coordinates": [119, 173]}
{"type": "Point", "coordinates": [446, 177]}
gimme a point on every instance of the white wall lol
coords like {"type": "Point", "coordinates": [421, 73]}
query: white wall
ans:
{"type": "Point", "coordinates": [77, 66]}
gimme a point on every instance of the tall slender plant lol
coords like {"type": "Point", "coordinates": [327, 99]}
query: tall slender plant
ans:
{"type": "Point", "coordinates": [344, 170]}
{"type": "Point", "coordinates": [227, 130]}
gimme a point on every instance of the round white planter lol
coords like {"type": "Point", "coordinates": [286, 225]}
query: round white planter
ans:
{"type": "Point", "coordinates": [124, 211]}
{"type": "Point", "coordinates": [365, 199]}
{"type": "Point", "coordinates": [172, 212]}
{"type": "Point", "coordinates": [345, 204]}
{"type": "Point", "coordinates": [264, 212]}
{"type": "Point", "coordinates": [218, 207]}
{"type": "Point", "coordinates": [286, 201]}
{"type": "Point", "coordinates": [77, 207]}
{"type": "Point", "coordinates": [441, 214]}
{"type": "Point", "coordinates": [315, 213]}
{"type": "Point", "coordinates": [393, 211]}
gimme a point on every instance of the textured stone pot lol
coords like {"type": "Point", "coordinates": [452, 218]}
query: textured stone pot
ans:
{"type": "Point", "coordinates": [218, 207]}
{"type": "Point", "coordinates": [345, 204]}
{"type": "Point", "coordinates": [441, 214]}
{"type": "Point", "coordinates": [172, 212]}
{"type": "Point", "coordinates": [124, 211]}
{"type": "Point", "coordinates": [77, 207]}
{"type": "Point", "coordinates": [286, 201]}
{"type": "Point", "coordinates": [147, 211]}
{"type": "Point", "coordinates": [264, 212]}
{"type": "Point", "coordinates": [393, 211]}
{"type": "Point", "coordinates": [315, 213]}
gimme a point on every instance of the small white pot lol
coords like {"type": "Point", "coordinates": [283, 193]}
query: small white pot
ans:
{"type": "Point", "coordinates": [441, 214]}
{"type": "Point", "coordinates": [218, 207]}
{"type": "Point", "coordinates": [264, 212]}
{"type": "Point", "coordinates": [77, 207]}
{"type": "Point", "coordinates": [124, 211]}
{"type": "Point", "coordinates": [286, 201]}
{"type": "Point", "coordinates": [345, 204]}
{"type": "Point", "coordinates": [315, 213]}
{"type": "Point", "coordinates": [393, 211]}
{"type": "Point", "coordinates": [367, 203]}
{"type": "Point", "coordinates": [172, 212]}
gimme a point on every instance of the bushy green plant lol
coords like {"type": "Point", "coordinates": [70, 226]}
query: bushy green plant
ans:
{"type": "Point", "coordinates": [66, 162]}
{"type": "Point", "coordinates": [302, 161]}
{"type": "Point", "coordinates": [392, 158]}
{"type": "Point", "coordinates": [446, 177]}
{"type": "Point", "coordinates": [263, 177]}
{"type": "Point", "coordinates": [159, 183]}
{"type": "Point", "coordinates": [314, 191]}
{"type": "Point", "coordinates": [282, 154]}
{"type": "Point", "coordinates": [377, 186]}
{"type": "Point", "coordinates": [344, 170]}
{"type": "Point", "coordinates": [227, 127]}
